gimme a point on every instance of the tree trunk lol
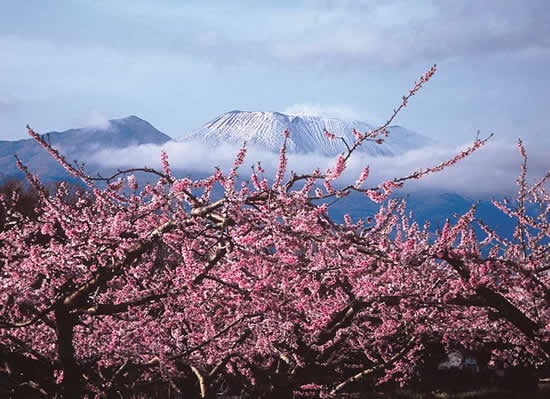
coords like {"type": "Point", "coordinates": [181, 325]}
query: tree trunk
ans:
{"type": "Point", "coordinates": [280, 387]}
{"type": "Point", "coordinates": [71, 384]}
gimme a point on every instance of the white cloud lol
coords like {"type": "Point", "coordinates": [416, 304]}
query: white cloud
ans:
{"type": "Point", "coordinates": [94, 119]}
{"type": "Point", "coordinates": [490, 171]}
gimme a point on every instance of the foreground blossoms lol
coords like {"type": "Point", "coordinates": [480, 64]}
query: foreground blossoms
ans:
{"type": "Point", "coordinates": [242, 283]}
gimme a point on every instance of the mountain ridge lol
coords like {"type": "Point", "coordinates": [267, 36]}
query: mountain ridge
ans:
{"type": "Point", "coordinates": [75, 144]}
{"type": "Point", "coordinates": [265, 129]}
{"type": "Point", "coordinates": [79, 144]}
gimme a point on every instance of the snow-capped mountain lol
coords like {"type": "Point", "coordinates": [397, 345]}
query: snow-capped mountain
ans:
{"type": "Point", "coordinates": [260, 128]}
{"type": "Point", "coordinates": [76, 144]}
{"type": "Point", "coordinates": [265, 129]}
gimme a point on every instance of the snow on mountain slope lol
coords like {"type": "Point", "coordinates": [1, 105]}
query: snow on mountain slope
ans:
{"type": "Point", "coordinates": [265, 129]}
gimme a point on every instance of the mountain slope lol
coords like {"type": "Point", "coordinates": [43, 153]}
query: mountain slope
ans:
{"type": "Point", "coordinates": [265, 129]}
{"type": "Point", "coordinates": [76, 144]}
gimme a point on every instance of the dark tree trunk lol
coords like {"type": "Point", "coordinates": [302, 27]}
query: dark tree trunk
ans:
{"type": "Point", "coordinates": [72, 384]}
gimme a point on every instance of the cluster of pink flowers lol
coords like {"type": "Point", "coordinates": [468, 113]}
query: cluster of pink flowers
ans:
{"type": "Point", "coordinates": [329, 135]}
{"type": "Point", "coordinates": [362, 177]}
{"type": "Point", "coordinates": [333, 174]}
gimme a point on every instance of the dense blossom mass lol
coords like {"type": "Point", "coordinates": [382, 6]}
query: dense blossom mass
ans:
{"type": "Point", "coordinates": [243, 283]}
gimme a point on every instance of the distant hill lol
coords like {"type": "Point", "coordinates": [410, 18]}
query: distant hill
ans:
{"type": "Point", "coordinates": [76, 144]}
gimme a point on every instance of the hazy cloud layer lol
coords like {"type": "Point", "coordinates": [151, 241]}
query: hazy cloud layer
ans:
{"type": "Point", "coordinates": [490, 171]}
{"type": "Point", "coordinates": [400, 31]}
{"type": "Point", "coordinates": [386, 32]}
{"type": "Point", "coordinates": [383, 32]}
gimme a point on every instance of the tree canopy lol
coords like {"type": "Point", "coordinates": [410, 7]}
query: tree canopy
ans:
{"type": "Point", "coordinates": [258, 289]}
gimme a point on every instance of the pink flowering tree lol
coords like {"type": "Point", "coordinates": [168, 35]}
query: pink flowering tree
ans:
{"type": "Point", "coordinates": [257, 289]}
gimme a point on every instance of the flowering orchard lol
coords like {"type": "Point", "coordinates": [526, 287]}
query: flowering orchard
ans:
{"type": "Point", "coordinates": [257, 290]}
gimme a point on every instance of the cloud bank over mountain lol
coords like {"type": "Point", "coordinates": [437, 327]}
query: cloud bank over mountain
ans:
{"type": "Point", "coordinates": [491, 171]}
{"type": "Point", "coordinates": [133, 142]}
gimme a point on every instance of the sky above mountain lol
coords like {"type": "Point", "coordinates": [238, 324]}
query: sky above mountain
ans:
{"type": "Point", "coordinates": [179, 64]}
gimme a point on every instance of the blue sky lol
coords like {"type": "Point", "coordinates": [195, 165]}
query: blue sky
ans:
{"type": "Point", "coordinates": [178, 64]}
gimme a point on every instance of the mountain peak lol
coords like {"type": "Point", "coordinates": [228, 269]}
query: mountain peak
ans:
{"type": "Point", "coordinates": [265, 129]}
{"type": "Point", "coordinates": [133, 117]}
{"type": "Point", "coordinates": [78, 144]}
{"type": "Point", "coordinates": [130, 120]}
